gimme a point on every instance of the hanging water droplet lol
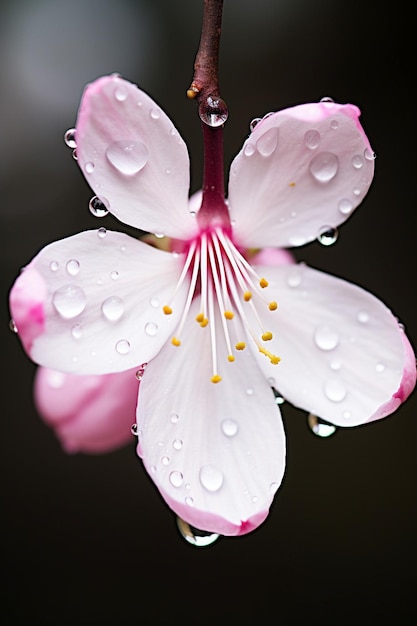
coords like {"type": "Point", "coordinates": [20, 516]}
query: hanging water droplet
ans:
{"type": "Point", "coordinates": [12, 326]}
{"type": "Point", "coordinates": [327, 99]}
{"type": "Point", "coordinates": [113, 308]}
{"type": "Point", "coordinates": [213, 112]}
{"type": "Point", "coordinates": [73, 267]}
{"type": "Point", "coordinates": [327, 235]}
{"type": "Point", "coordinates": [326, 338]}
{"type": "Point", "coordinates": [77, 331]}
{"type": "Point", "coordinates": [334, 390]}
{"type": "Point", "coordinates": [128, 157]}
{"type": "Point", "coordinates": [312, 139]}
{"type": "Point", "coordinates": [69, 301]}
{"type": "Point", "coordinates": [229, 427]}
{"type": "Point", "coordinates": [369, 154]}
{"type": "Point", "coordinates": [75, 155]}
{"type": "Point", "coordinates": [97, 207]}
{"type": "Point", "coordinates": [176, 478]}
{"type": "Point", "coordinates": [134, 429]}
{"type": "Point", "coordinates": [345, 206]}
{"type": "Point", "coordinates": [198, 538]}
{"type": "Point", "coordinates": [278, 397]}
{"type": "Point", "coordinates": [122, 346]}
{"type": "Point", "coordinates": [69, 138]}
{"type": "Point", "coordinates": [254, 123]}
{"type": "Point", "coordinates": [324, 166]}
{"type": "Point", "coordinates": [357, 161]}
{"type": "Point", "coordinates": [151, 328]}
{"type": "Point", "coordinates": [319, 427]}
{"type": "Point", "coordinates": [268, 142]}
{"type": "Point", "coordinates": [211, 477]}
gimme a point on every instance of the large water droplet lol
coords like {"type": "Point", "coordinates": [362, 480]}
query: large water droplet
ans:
{"type": "Point", "coordinates": [122, 346]}
{"type": "Point", "coordinates": [268, 142]}
{"type": "Point", "coordinates": [69, 301]}
{"type": "Point", "coordinates": [128, 157]}
{"type": "Point", "coordinates": [213, 112]}
{"type": "Point", "coordinates": [327, 235]}
{"type": "Point", "coordinates": [69, 138]}
{"type": "Point", "coordinates": [198, 538]}
{"type": "Point", "coordinates": [229, 427]}
{"type": "Point", "coordinates": [326, 338]}
{"type": "Point", "coordinates": [113, 308]}
{"type": "Point", "coordinates": [319, 427]}
{"type": "Point", "coordinates": [334, 390]}
{"type": "Point", "coordinates": [324, 166]}
{"type": "Point", "coordinates": [97, 207]}
{"type": "Point", "coordinates": [312, 139]}
{"type": "Point", "coordinates": [211, 477]}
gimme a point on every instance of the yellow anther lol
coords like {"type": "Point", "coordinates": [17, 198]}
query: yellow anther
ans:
{"type": "Point", "coordinates": [204, 322]}
{"type": "Point", "coordinates": [241, 345]}
{"type": "Point", "coordinates": [267, 336]}
{"type": "Point", "coordinates": [175, 341]}
{"type": "Point", "coordinates": [216, 378]}
{"type": "Point", "coordinates": [192, 92]}
{"type": "Point", "coordinates": [247, 296]}
{"type": "Point", "coordinates": [229, 315]}
{"type": "Point", "coordinates": [273, 306]}
{"type": "Point", "coordinates": [167, 310]}
{"type": "Point", "coordinates": [231, 358]}
{"type": "Point", "coordinates": [263, 283]}
{"type": "Point", "coordinates": [292, 184]}
{"type": "Point", "coordinates": [199, 318]}
{"type": "Point", "coordinates": [272, 357]}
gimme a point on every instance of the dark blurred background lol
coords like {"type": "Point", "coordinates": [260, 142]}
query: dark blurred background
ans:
{"type": "Point", "coordinates": [87, 539]}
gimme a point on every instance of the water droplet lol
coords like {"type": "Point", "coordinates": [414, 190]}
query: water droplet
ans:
{"type": "Point", "coordinates": [128, 157]}
{"type": "Point", "coordinates": [320, 427]}
{"type": "Point", "coordinates": [54, 265]}
{"type": "Point", "coordinates": [334, 390]}
{"type": "Point", "coordinates": [12, 326]}
{"type": "Point", "coordinates": [213, 112]}
{"type": "Point", "coordinates": [189, 500]}
{"type": "Point", "coordinates": [268, 142]}
{"type": "Point", "coordinates": [69, 138]}
{"type": "Point", "coordinates": [357, 161]}
{"type": "Point", "coordinates": [101, 233]}
{"type": "Point", "coordinates": [134, 430]}
{"type": "Point", "coordinates": [155, 114]}
{"type": "Point", "coordinates": [249, 149]}
{"type": "Point", "coordinates": [324, 166]}
{"type": "Point", "coordinates": [380, 367]}
{"type": "Point", "coordinates": [356, 191]}
{"type": "Point", "coordinates": [97, 207]}
{"type": "Point", "coordinates": [151, 329]}
{"type": "Point", "coordinates": [165, 460]}
{"type": "Point", "coordinates": [327, 235]}
{"type": "Point", "coordinates": [345, 206]}
{"type": "Point", "coordinates": [75, 155]}
{"type": "Point", "coordinates": [113, 308]}
{"type": "Point", "coordinates": [293, 278]}
{"type": "Point", "coordinates": [326, 338]}
{"type": "Point", "coordinates": [89, 167]}
{"type": "Point", "coordinates": [249, 391]}
{"type": "Point", "coordinates": [312, 139]}
{"type": "Point", "coordinates": [363, 317]}
{"type": "Point", "coordinates": [334, 124]}
{"type": "Point", "coordinates": [198, 538]}
{"type": "Point", "coordinates": [174, 418]}
{"type": "Point", "coordinates": [346, 415]}
{"type": "Point", "coordinates": [69, 301]}
{"type": "Point", "coordinates": [254, 123]}
{"type": "Point", "coordinates": [77, 331]}
{"type": "Point", "coordinates": [229, 427]}
{"type": "Point", "coordinates": [154, 302]}
{"type": "Point", "coordinates": [122, 346]}
{"type": "Point", "coordinates": [114, 275]}
{"type": "Point", "coordinates": [73, 267]}
{"type": "Point", "coordinates": [176, 478]}
{"type": "Point", "coordinates": [327, 100]}
{"type": "Point", "coordinates": [211, 477]}
{"type": "Point", "coordinates": [140, 371]}
{"type": "Point", "coordinates": [335, 365]}
{"type": "Point", "coordinates": [159, 235]}
{"type": "Point", "coordinates": [273, 488]}
{"type": "Point", "coordinates": [369, 154]}
{"type": "Point", "coordinates": [278, 398]}
{"type": "Point", "coordinates": [177, 444]}
{"type": "Point", "coordinates": [120, 93]}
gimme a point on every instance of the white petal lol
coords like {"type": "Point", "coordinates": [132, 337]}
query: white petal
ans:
{"type": "Point", "coordinates": [301, 170]}
{"type": "Point", "coordinates": [101, 304]}
{"type": "Point", "coordinates": [342, 351]}
{"type": "Point", "coordinates": [215, 451]}
{"type": "Point", "coordinates": [134, 158]}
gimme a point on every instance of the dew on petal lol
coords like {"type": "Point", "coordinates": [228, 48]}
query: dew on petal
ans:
{"type": "Point", "coordinates": [327, 235]}
{"type": "Point", "coordinates": [326, 338]}
{"type": "Point", "coordinates": [254, 123]}
{"type": "Point", "coordinates": [357, 161]}
{"type": "Point", "coordinates": [155, 114]}
{"type": "Point", "coordinates": [151, 328]}
{"type": "Point", "coordinates": [273, 488]}
{"type": "Point", "coordinates": [69, 138]}
{"type": "Point", "coordinates": [165, 460]}
{"type": "Point", "coordinates": [128, 157]}
{"type": "Point", "coordinates": [120, 93]}
{"type": "Point", "coordinates": [134, 429]}
{"type": "Point", "coordinates": [334, 124]}
{"type": "Point", "coordinates": [327, 100]}
{"type": "Point", "coordinates": [177, 444]}
{"type": "Point", "coordinates": [268, 142]}
{"type": "Point", "coordinates": [113, 308]}
{"type": "Point", "coordinates": [97, 207]}
{"type": "Point", "coordinates": [194, 536]}
{"type": "Point", "coordinates": [176, 478]}
{"type": "Point", "coordinates": [312, 139]}
{"type": "Point", "coordinates": [73, 267]}
{"type": "Point", "coordinates": [122, 346]}
{"type": "Point", "coordinates": [69, 301]}
{"type": "Point", "coordinates": [320, 427]}
{"type": "Point", "coordinates": [101, 233]}
{"type": "Point", "coordinates": [380, 367]}
{"type": "Point", "coordinates": [324, 166]}
{"type": "Point", "coordinates": [334, 390]}
{"type": "Point", "coordinates": [174, 417]}
{"type": "Point", "coordinates": [363, 317]}
{"type": "Point", "coordinates": [346, 415]}
{"type": "Point", "coordinates": [89, 167]}
{"type": "Point", "coordinates": [229, 427]}
{"type": "Point", "coordinates": [369, 154]}
{"type": "Point", "coordinates": [249, 149]}
{"type": "Point", "coordinates": [53, 266]}
{"type": "Point", "coordinates": [211, 477]}
{"type": "Point", "coordinates": [294, 278]}
{"type": "Point", "coordinates": [114, 275]}
{"type": "Point", "coordinates": [154, 302]}
{"type": "Point", "coordinates": [77, 331]}
{"type": "Point", "coordinates": [345, 206]}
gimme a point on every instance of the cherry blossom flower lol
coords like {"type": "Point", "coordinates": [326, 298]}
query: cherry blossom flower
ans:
{"type": "Point", "coordinates": [212, 334]}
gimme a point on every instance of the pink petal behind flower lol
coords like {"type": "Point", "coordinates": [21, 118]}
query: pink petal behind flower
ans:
{"type": "Point", "coordinates": [300, 170]}
{"type": "Point", "coordinates": [90, 414]}
{"type": "Point", "coordinates": [134, 158]}
{"type": "Point", "coordinates": [27, 305]}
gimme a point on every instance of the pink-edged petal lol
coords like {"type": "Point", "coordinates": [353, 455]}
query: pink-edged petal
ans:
{"type": "Point", "coordinates": [134, 158]}
{"type": "Point", "coordinates": [343, 354]}
{"type": "Point", "coordinates": [216, 452]}
{"type": "Point", "coordinates": [100, 299]}
{"type": "Point", "coordinates": [89, 414]}
{"type": "Point", "coordinates": [301, 170]}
